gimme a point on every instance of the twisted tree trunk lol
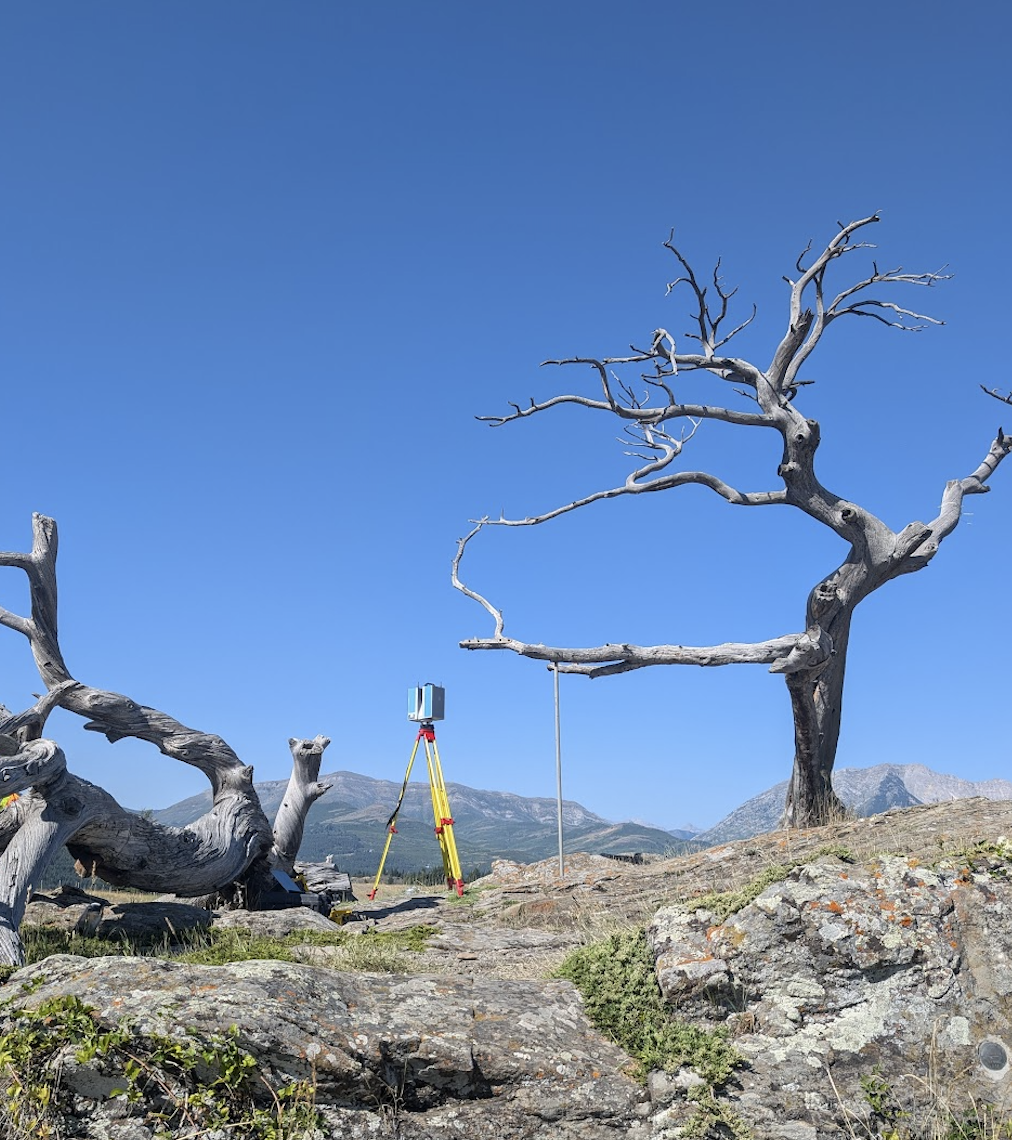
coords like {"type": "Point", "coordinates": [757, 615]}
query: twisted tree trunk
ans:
{"type": "Point", "coordinates": [231, 848]}
{"type": "Point", "coordinates": [813, 662]}
{"type": "Point", "coordinates": [816, 705]}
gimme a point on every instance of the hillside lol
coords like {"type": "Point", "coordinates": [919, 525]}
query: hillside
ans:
{"type": "Point", "coordinates": [866, 791]}
{"type": "Point", "coordinates": [820, 983]}
{"type": "Point", "coordinates": [349, 822]}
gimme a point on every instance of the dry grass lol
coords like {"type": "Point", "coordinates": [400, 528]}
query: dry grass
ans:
{"type": "Point", "coordinates": [119, 898]}
{"type": "Point", "coordinates": [535, 966]}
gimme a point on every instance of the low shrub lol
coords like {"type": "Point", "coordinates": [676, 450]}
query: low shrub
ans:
{"type": "Point", "coordinates": [185, 1085]}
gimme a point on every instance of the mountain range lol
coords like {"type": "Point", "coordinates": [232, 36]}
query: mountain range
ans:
{"type": "Point", "coordinates": [350, 823]}
{"type": "Point", "coordinates": [866, 791]}
{"type": "Point", "coordinates": [350, 820]}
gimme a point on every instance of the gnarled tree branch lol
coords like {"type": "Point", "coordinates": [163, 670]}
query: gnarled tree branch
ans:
{"type": "Point", "coordinates": [1006, 399]}
{"type": "Point", "coordinates": [607, 660]}
{"type": "Point", "coordinates": [813, 662]}
{"type": "Point", "coordinates": [232, 841]}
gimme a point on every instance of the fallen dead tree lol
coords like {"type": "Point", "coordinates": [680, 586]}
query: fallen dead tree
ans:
{"type": "Point", "coordinates": [229, 852]}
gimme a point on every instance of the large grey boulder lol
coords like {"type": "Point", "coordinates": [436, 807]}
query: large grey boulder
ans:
{"type": "Point", "coordinates": [440, 1056]}
{"type": "Point", "coordinates": [273, 923]}
{"type": "Point", "coordinates": [890, 974]}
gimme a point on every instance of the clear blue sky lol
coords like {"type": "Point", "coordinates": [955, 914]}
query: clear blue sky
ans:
{"type": "Point", "coordinates": [262, 263]}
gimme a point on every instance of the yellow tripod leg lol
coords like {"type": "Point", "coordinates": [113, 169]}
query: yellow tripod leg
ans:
{"type": "Point", "coordinates": [437, 806]}
{"type": "Point", "coordinates": [391, 828]}
{"type": "Point", "coordinates": [383, 858]}
{"type": "Point", "coordinates": [444, 818]}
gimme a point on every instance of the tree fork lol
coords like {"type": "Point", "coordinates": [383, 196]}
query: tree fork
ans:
{"type": "Point", "coordinates": [813, 662]}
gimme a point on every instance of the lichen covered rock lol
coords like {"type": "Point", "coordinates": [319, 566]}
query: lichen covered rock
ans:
{"type": "Point", "coordinates": [856, 993]}
{"type": "Point", "coordinates": [445, 1056]}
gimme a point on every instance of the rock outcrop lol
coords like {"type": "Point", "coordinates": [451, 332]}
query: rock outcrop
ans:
{"type": "Point", "coordinates": [412, 1057]}
{"type": "Point", "coordinates": [867, 994]}
{"type": "Point", "coordinates": [851, 989]}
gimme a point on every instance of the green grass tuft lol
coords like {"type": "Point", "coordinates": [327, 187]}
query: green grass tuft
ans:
{"type": "Point", "coordinates": [722, 904]}
{"type": "Point", "coordinates": [621, 997]}
{"type": "Point", "coordinates": [218, 946]}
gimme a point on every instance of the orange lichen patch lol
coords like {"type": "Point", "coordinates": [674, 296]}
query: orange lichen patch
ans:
{"type": "Point", "coordinates": [912, 862]}
{"type": "Point", "coordinates": [884, 902]}
{"type": "Point", "coordinates": [907, 920]}
{"type": "Point", "coordinates": [733, 935]}
{"type": "Point", "coordinates": [834, 906]}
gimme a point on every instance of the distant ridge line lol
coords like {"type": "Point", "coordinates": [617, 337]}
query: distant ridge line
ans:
{"type": "Point", "coordinates": [866, 791]}
{"type": "Point", "coordinates": [349, 821]}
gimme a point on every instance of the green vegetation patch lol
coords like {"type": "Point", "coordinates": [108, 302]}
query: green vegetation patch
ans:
{"type": "Point", "coordinates": [722, 904]}
{"type": "Point", "coordinates": [988, 856]}
{"type": "Point", "coordinates": [217, 946]}
{"type": "Point", "coordinates": [623, 1000]}
{"type": "Point", "coordinates": [621, 997]}
{"type": "Point", "coordinates": [188, 1086]}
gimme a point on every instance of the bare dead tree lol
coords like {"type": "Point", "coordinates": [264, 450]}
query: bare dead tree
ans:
{"type": "Point", "coordinates": [812, 661]}
{"type": "Point", "coordinates": [230, 849]}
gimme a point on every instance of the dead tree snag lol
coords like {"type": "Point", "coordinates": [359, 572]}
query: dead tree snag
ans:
{"type": "Point", "coordinates": [813, 659]}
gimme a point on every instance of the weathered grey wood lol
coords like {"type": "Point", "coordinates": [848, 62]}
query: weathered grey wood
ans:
{"type": "Point", "coordinates": [28, 725]}
{"type": "Point", "coordinates": [47, 820]}
{"type": "Point", "coordinates": [324, 877]}
{"type": "Point", "coordinates": [332, 885]}
{"type": "Point", "coordinates": [1005, 399]}
{"type": "Point", "coordinates": [229, 848]}
{"type": "Point", "coordinates": [813, 662]}
{"type": "Point", "coordinates": [623, 658]}
{"type": "Point", "coordinates": [304, 789]}
{"type": "Point", "coordinates": [26, 765]}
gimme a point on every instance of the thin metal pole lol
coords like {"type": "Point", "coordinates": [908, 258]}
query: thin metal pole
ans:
{"type": "Point", "coordinates": [558, 768]}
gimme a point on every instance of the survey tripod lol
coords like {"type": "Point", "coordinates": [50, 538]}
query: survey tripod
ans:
{"type": "Point", "coordinates": [440, 811]}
